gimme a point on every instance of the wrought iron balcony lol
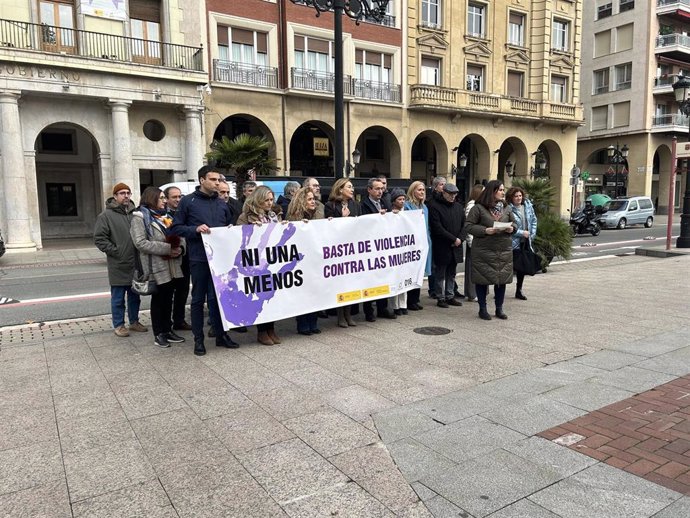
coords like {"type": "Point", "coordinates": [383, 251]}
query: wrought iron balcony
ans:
{"type": "Point", "coordinates": [388, 20]}
{"type": "Point", "coordinates": [245, 74]}
{"type": "Point", "coordinates": [317, 81]}
{"type": "Point", "coordinates": [67, 41]}
{"type": "Point", "coordinates": [376, 91]}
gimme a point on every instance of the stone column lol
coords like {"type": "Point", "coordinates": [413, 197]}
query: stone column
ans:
{"type": "Point", "coordinates": [18, 231]}
{"type": "Point", "coordinates": [122, 165]}
{"type": "Point", "coordinates": [194, 154]}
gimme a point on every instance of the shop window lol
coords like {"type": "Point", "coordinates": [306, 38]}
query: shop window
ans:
{"type": "Point", "coordinates": [61, 199]}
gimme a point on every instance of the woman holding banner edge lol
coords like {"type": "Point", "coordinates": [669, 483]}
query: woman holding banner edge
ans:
{"type": "Point", "coordinates": [342, 204]}
{"type": "Point", "coordinates": [302, 207]}
{"type": "Point", "coordinates": [257, 210]}
{"type": "Point", "coordinates": [416, 195]}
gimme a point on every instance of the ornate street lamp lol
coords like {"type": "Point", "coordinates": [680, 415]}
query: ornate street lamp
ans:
{"type": "Point", "coordinates": [509, 169]}
{"type": "Point", "coordinates": [356, 10]}
{"type": "Point", "coordinates": [351, 166]}
{"type": "Point", "coordinates": [537, 171]}
{"type": "Point", "coordinates": [617, 156]}
{"type": "Point", "coordinates": [681, 90]}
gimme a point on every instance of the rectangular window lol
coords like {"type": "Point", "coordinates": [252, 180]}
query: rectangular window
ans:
{"type": "Point", "coordinates": [599, 117]}
{"type": "Point", "coordinates": [475, 20]}
{"type": "Point", "coordinates": [373, 66]}
{"type": "Point", "coordinates": [516, 29]}
{"type": "Point", "coordinates": [560, 35]}
{"type": "Point", "coordinates": [621, 114]}
{"type": "Point", "coordinates": [623, 76]}
{"type": "Point", "coordinates": [559, 89]}
{"type": "Point", "coordinates": [313, 54]}
{"type": "Point", "coordinates": [624, 37]}
{"type": "Point", "coordinates": [600, 81]}
{"type": "Point", "coordinates": [604, 10]}
{"type": "Point", "coordinates": [57, 31]}
{"type": "Point", "coordinates": [602, 43]}
{"type": "Point", "coordinates": [145, 24]}
{"type": "Point", "coordinates": [431, 71]}
{"type": "Point", "coordinates": [626, 5]}
{"type": "Point", "coordinates": [515, 83]}
{"type": "Point", "coordinates": [475, 78]}
{"type": "Point", "coordinates": [61, 199]}
{"type": "Point", "coordinates": [431, 13]}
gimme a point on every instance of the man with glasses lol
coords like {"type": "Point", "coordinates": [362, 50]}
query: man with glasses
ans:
{"type": "Point", "coordinates": [196, 214]}
{"type": "Point", "coordinates": [111, 236]}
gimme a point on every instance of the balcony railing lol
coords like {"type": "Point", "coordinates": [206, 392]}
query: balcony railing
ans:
{"type": "Point", "coordinates": [673, 40]}
{"type": "Point", "coordinates": [484, 101]}
{"type": "Point", "coordinates": [663, 3]}
{"type": "Point", "coordinates": [665, 80]}
{"type": "Point", "coordinates": [245, 74]}
{"type": "Point", "coordinates": [376, 91]}
{"type": "Point", "coordinates": [314, 80]}
{"type": "Point", "coordinates": [524, 105]}
{"type": "Point", "coordinates": [67, 41]}
{"type": "Point", "coordinates": [433, 95]}
{"type": "Point", "coordinates": [671, 119]}
{"type": "Point", "coordinates": [388, 20]}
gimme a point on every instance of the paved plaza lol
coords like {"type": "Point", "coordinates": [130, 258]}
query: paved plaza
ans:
{"type": "Point", "coordinates": [371, 421]}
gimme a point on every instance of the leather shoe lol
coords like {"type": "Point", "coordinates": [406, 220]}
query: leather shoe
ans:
{"type": "Point", "coordinates": [454, 302]}
{"type": "Point", "coordinates": [404, 311]}
{"type": "Point", "coordinates": [398, 312]}
{"type": "Point", "coordinates": [263, 338]}
{"type": "Point", "coordinates": [484, 314]}
{"type": "Point", "coordinates": [370, 318]}
{"type": "Point", "coordinates": [387, 314]}
{"type": "Point", "coordinates": [500, 314]}
{"type": "Point", "coordinates": [316, 331]}
{"type": "Point", "coordinates": [199, 349]}
{"type": "Point", "coordinates": [519, 295]}
{"type": "Point", "coordinates": [182, 326]}
{"type": "Point", "coordinates": [211, 333]}
{"type": "Point", "coordinates": [305, 333]}
{"type": "Point", "coordinates": [442, 303]}
{"type": "Point", "coordinates": [174, 338]}
{"type": "Point", "coordinates": [161, 340]}
{"type": "Point", "coordinates": [227, 342]}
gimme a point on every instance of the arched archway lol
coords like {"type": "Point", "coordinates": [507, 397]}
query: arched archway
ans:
{"type": "Point", "coordinates": [311, 150]}
{"type": "Point", "coordinates": [380, 153]}
{"type": "Point", "coordinates": [548, 162]}
{"type": "Point", "coordinates": [68, 180]}
{"type": "Point", "coordinates": [478, 169]}
{"type": "Point", "coordinates": [429, 156]}
{"type": "Point", "coordinates": [512, 160]}
{"type": "Point", "coordinates": [237, 124]}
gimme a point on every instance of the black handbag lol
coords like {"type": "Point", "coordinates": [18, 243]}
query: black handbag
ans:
{"type": "Point", "coordinates": [525, 261]}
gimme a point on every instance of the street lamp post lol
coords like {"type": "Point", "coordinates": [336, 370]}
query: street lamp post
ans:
{"type": "Point", "coordinates": [681, 89]}
{"type": "Point", "coordinates": [356, 10]}
{"type": "Point", "coordinates": [351, 166]}
{"type": "Point", "coordinates": [617, 156]}
{"type": "Point", "coordinates": [537, 171]}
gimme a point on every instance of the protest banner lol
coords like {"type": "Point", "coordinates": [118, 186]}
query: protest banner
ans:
{"type": "Point", "coordinates": [281, 270]}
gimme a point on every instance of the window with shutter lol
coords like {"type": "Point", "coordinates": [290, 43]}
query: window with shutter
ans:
{"type": "Point", "coordinates": [516, 29]}
{"type": "Point", "coordinates": [559, 89]}
{"type": "Point", "coordinates": [515, 82]}
{"type": "Point", "coordinates": [599, 117]}
{"type": "Point", "coordinates": [430, 71]}
{"type": "Point", "coordinates": [602, 43]}
{"type": "Point", "coordinates": [624, 37]}
{"type": "Point", "coordinates": [621, 114]}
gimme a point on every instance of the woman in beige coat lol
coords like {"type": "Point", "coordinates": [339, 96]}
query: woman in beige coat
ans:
{"type": "Point", "coordinates": [161, 257]}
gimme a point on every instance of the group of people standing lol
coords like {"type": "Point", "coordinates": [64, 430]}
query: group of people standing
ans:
{"type": "Point", "coordinates": [162, 237]}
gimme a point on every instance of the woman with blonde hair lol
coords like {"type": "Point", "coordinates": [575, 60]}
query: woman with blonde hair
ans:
{"type": "Point", "coordinates": [416, 194]}
{"type": "Point", "coordinates": [342, 204]}
{"type": "Point", "coordinates": [257, 210]}
{"type": "Point", "coordinates": [302, 207]}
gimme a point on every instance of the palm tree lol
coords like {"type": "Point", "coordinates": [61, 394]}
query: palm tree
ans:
{"type": "Point", "coordinates": [242, 154]}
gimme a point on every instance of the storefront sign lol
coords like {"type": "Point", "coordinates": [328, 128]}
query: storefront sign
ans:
{"type": "Point", "coordinates": [320, 146]}
{"type": "Point", "coordinates": [275, 271]}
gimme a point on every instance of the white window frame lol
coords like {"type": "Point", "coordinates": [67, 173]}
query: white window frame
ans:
{"type": "Point", "coordinates": [476, 19]}
{"type": "Point", "coordinates": [560, 35]}
{"type": "Point", "coordinates": [430, 75]}
{"type": "Point", "coordinates": [559, 92]}
{"type": "Point", "coordinates": [626, 83]}
{"type": "Point", "coordinates": [428, 18]}
{"type": "Point", "coordinates": [516, 33]}
{"type": "Point", "coordinates": [473, 82]}
{"type": "Point", "coordinates": [600, 81]}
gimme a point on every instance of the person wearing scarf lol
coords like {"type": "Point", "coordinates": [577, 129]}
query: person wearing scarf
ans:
{"type": "Point", "coordinates": [492, 252]}
{"type": "Point", "coordinates": [149, 231]}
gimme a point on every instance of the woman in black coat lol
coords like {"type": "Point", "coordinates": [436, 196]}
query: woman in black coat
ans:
{"type": "Point", "coordinates": [446, 225]}
{"type": "Point", "coordinates": [491, 223]}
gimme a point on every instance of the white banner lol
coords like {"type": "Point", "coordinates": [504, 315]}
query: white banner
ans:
{"type": "Point", "coordinates": [114, 9]}
{"type": "Point", "coordinates": [275, 271]}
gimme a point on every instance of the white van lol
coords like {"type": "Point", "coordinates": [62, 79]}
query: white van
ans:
{"type": "Point", "coordinates": [633, 210]}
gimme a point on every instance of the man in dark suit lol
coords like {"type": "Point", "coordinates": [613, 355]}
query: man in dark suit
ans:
{"type": "Point", "coordinates": [373, 203]}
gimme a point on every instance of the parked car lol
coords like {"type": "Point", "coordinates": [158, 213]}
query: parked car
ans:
{"type": "Point", "coordinates": [633, 210]}
{"type": "Point", "coordinates": [2, 245]}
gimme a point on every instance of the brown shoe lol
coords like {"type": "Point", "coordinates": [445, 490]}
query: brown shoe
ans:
{"type": "Point", "coordinates": [121, 331]}
{"type": "Point", "coordinates": [263, 338]}
{"type": "Point", "coordinates": [273, 336]}
{"type": "Point", "coordinates": [138, 327]}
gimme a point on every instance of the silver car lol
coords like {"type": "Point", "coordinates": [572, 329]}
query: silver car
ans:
{"type": "Point", "coordinates": [622, 212]}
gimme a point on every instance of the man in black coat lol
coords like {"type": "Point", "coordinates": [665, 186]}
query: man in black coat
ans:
{"type": "Point", "coordinates": [446, 224]}
{"type": "Point", "coordinates": [373, 203]}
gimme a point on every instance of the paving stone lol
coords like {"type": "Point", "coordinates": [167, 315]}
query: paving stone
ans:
{"type": "Point", "coordinates": [211, 399]}
{"type": "Point", "coordinates": [486, 484]}
{"type": "Point", "coordinates": [457, 406]}
{"type": "Point", "coordinates": [248, 429]}
{"type": "Point", "coordinates": [676, 362]}
{"type": "Point", "coordinates": [633, 379]}
{"type": "Point", "coordinates": [588, 396]}
{"type": "Point", "coordinates": [400, 422]}
{"type": "Point", "coordinates": [80, 404]}
{"type": "Point", "coordinates": [610, 360]}
{"type": "Point", "coordinates": [357, 402]}
{"type": "Point", "coordinates": [288, 402]}
{"type": "Point", "coordinates": [346, 499]}
{"type": "Point", "coordinates": [534, 415]}
{"type": "Point", "coordinates": [423, 492]}
{"type": "Point", "coordinates": [677, 509]}
{"type": "Point", "coordinates": [291, 470]}
{"type": "Point", "coordinates": [31, 465]}
{"type": "Point", "coordinates": [549, 455]}
{"type": "Point", "coordinates": [24, 424]}
{"type": "Point", "coordinates": [374, 470]}
{"type": "Point", "coordinates": [107, 468]}
{"type": "Point", "coordinates": [602, 490]}
{"type": "Point", "coordinates": [330, 432]}
{"type": "Point", "coordinates": [316, 378]}
{"type": "Point", "coordinates": [95, 430]}
{"type": "Point", "coordinates": [523, 509]}
{"type": "Point", "coordinates": [143, 499]}
{"type": "Point", "coordinates": [654, 345]}
{"type": "Point", "coordinates": [140, 402]}
{"type": "Point", "coordinates": [469, 438]}
{"type": "Point", "coordinates": [416, 460]}
{"type": "Point", "coordinates": [417, 510]}
{"type": "Point", "coordinates": [47, 500]}
{"type": "Point", "coordinates": [442, 508]}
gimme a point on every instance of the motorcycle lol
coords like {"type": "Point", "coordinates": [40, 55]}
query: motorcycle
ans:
{"type": "Point", "coordinates": [583, 221]}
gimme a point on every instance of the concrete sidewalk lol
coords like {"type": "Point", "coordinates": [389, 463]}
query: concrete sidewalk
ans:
{"type": "Point", "coordinates": [375, 420]}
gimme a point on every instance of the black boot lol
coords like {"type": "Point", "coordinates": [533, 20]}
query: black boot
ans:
{"type": "Point", "coordinates": [500, 314]}
{"type": "Point", "coordinates": [483, 313]}
{"type": "Point", "coordinates": [199, 349]}
{"type": "Point", "coordinates": [519, 295]}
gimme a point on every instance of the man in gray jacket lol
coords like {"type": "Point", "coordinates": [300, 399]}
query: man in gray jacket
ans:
{"type": "Point", "coordinates": [111, 236]}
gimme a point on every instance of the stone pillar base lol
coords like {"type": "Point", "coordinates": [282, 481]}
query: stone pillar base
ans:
{"type": "Point", "coordinates": [27, 246]}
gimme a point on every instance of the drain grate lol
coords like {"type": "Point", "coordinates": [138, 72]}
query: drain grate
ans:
{"type": "Point", "coordinates": [431, 330]}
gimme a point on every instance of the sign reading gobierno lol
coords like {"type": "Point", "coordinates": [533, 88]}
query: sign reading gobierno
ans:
{"type": "Point", "coordinates": [281, 270]}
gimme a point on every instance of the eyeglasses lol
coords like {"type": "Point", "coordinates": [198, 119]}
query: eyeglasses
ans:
{"type": "Point", "coordinates": [163, 198]}
{"type": "Point", "coordinates": [123, 193]}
